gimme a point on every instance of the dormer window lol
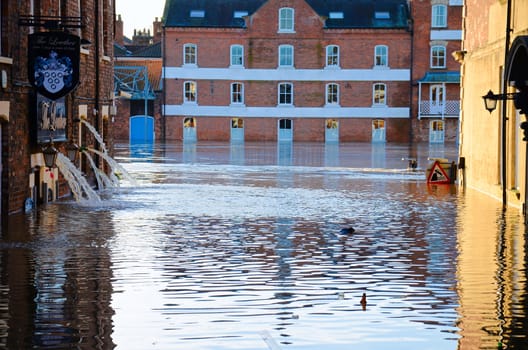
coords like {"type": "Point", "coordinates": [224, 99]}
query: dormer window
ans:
{"type": "Point", "coordinates": [336, 15]}
{"type": "Point", "coordinates": [240, 14]}
{"type": "Point", "coordinates": [382, 15]}
{"type": "Point", "coordinates": [197, 14]}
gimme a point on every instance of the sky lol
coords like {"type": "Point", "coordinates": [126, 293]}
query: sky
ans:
{"type": "Point", "coordinates": [139, 14]}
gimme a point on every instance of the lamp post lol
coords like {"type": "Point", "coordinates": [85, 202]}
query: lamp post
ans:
{"type": "Point", "coordinates": [71, 151]}
{"type": "Point", "coordinates": [50, 155]}
{"type": "Point", "coordinates": [490, 99]}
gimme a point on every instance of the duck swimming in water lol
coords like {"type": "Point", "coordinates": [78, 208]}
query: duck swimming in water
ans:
{"type": "Point", "coordinates": [347, 230]}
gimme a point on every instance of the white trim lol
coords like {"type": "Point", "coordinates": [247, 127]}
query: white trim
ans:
{"type": "Point", "coordinates": [6, 60]}
{"type": "Point", "coordinates": [241, 74]}
{"type": "Point", "coordinates": [446, 34]}
{"type": "Point", "coordinates": [289, 112]}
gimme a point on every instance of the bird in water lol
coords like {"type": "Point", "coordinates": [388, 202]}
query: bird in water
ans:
{"type": "Point", "coordinates": [347, 230]}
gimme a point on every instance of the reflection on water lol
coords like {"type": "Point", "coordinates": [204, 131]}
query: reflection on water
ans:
{"type": "Point", "coordinates": [239, 247]}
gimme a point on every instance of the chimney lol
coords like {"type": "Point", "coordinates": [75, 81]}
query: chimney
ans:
{"type": "Point", "coordinates": [157, 30]}
{"type": "Point", "coordinates": [119, 35]}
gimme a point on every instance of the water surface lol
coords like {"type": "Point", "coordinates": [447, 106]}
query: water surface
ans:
{"type": "Point", "coordinates": [224, 246]}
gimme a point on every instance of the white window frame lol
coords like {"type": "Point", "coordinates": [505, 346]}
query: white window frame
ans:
{"type": "Point", "coordinates": [288, 95]}
{"type": "Point", "coordinates": [286, 20]}
{"type": "Point", "coordinates": [188, 86]}
{"type": "Point", "coordinates": [377, 98]}
{"type": "Point", "coordinates": [332, 94]}
{"type": "Point", "coordinates": [332, 57]}
{"type": "Point", "coordinates": [194, 55]}
{"type": "Point", "coordinates": [438, 60]}
{"type": "Point", "coordinates": [439, 16]}
{"type": "Point", "coordinates": [237, 58]}
{"type": "Point", "coordinates": [286, 56]}
{"type": "Point", "coordinates": [237, 90]}
{"type": "Point", "coordinates": [381, 56]}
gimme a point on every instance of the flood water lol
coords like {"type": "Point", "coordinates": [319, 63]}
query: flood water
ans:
{"type": "Point", "coordinates": [220, 246]}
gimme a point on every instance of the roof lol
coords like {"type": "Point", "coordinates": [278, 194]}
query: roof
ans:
{"type": "Point", "coordinates": [338, 13]}
{"type": "Point", "coordinates": [441, 77]}
{"type": "Point", "coordinates": [128, 75]}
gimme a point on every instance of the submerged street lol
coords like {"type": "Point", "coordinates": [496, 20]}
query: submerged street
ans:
{"type": "Point", "coordinates": [218, 246]}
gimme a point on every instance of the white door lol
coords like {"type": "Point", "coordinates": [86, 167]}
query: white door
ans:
{"type": "Point", "coordinates": [332, 130]}
{"type": "Point", "coordinates": [436, 100]}
{"type": "Point", "coordinates": [436, 131]}
{"type": "Point", "coordinates": [237, 130]}
{"type": "Point", "coordinates": [189, 129]}
{"type": "Point", "coordinates": [285, 130]}
{"type": "Point", "coordinates": [378, 131]}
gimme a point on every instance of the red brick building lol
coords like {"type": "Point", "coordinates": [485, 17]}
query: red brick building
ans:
{"type": "Point", "coordinates": [436, 39]}
{"type": "Point", "coordinates": [287, 70]}
{"type": "Point", "coordinates": [24, 174]}
{"type": "Point", "coordinates": [306, 70]}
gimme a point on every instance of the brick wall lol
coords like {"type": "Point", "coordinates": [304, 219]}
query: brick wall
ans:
{"type": "Point", "coordinates": [18, 135]}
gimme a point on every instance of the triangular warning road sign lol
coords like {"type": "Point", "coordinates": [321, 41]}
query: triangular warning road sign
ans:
{"type": "Point", "coordinates": [438, 175]}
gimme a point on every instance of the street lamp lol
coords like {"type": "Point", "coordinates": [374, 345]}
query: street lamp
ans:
{"type": "Point", "coordinates": [50, 155]}
{"type": "Point", "coordinates": [71, 151]}
{"type": "Point", "coordinates": [520, 100]}
{"type": "Point", "coordinates": [490, 99]}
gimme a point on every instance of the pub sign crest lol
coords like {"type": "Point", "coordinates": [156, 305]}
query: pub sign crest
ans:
{"type": "Point", "coordinates": [53, 63]}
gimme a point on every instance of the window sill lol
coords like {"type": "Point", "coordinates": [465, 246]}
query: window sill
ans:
{"type": "Point", "coordinates": [379, 106]}
{"type": "Point", "coordinates": [6, 60]}
{"type": "Point", "coordinates": [334, 67]}
{"type": "Point", "coordinates": [381, 67]}
{"type": "Point", "coordinates": [332, 105]}
{"type": "Point", "coordinates": [237, 105]}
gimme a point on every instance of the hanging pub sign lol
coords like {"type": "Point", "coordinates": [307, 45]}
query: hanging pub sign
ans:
{"type": "Point", "coordinates": [51, 119]}
{"type": "Point", "coordinates": [53, 63]}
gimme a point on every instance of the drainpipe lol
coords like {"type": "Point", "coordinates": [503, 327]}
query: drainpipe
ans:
{"type": "Point", "coordinates": [411, 109]}
{"type": "Point", "coordinates": [504, 105]}
{"type": "Point", "coordinates": [163, 87]}
{"type": "Point", "coordinates": [97, 73]}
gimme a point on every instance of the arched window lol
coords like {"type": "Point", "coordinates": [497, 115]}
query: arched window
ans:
{"type": "Point", "coordinates": [189, 54]}
{"type": "Point", "coordinates": [189, 92]}
{"type": "Point", "coordinates": [285, 94]}
{"type": "Point", "coordinates": [237, 55]}
{"type": "Point", "coordinates": [286, 19]}
{"type": "Point", "coordinates": [379, 94]}
{"type": "Point", "coordinates": [332, 56]}
{"type": "Point", "coordinates": [285, 56]}
{"type": "Point", "coordinates": [381, 53]}
{"type": "Point", "coordinates": [332, 94]}
{"type": "Point", "coordinates": [439, 16]}
{"type": "Point", "coordinates": [237, 93]}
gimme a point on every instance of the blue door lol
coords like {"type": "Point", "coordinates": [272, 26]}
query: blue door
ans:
{"type": "Point", "coordinates": [141, 129]}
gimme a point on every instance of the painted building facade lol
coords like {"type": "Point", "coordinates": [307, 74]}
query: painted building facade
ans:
{"type": "Point", "coordinates": [25, 178]}
{"type": "Point", "coordinates": [310, 70]}
{"type": "Point", "coordinates": [491, 143]}
{"type": "Point", "coordinates": [494, 57]}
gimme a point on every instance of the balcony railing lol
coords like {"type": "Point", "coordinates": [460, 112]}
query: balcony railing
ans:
{"type": "Point", "coordinates": [434, 109]}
